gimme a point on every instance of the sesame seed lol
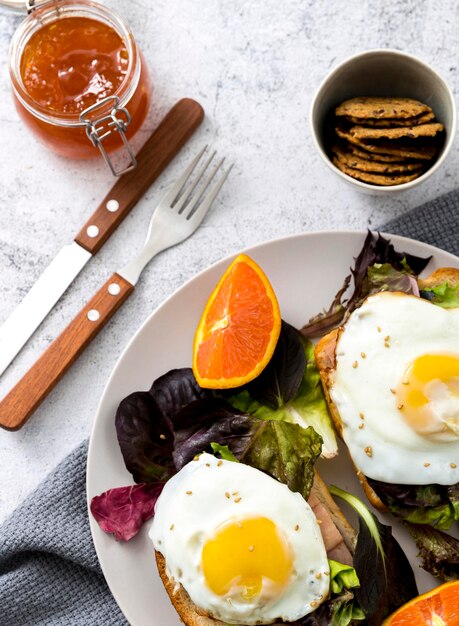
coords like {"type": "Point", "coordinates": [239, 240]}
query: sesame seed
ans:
{"type": "Point", "coordinates": [405, 382]}
{"type": "Point", "coordinates": [237, 499]}
{"type": "Point", "coordinates": [235, 493]}
{"type": "Point", "coordinates": [326, 573]}
{"type": "Point", "coordinates": [297, 527]}
{"type": "Point", "coordinates": [363, 355]}
{"type": "Point", "coordinates": [387, 338]}
{"type": "Point", "coordinates": [379, 329]}
{"type": "Point", "coordinates": [208, 464]}
{"type": "Point", "coordinates": [220, 463]}
{"type": "Point", "coordinates": [319, 521]}
{"type": "Point", "coordinates": [313, 603]}
{"type": "Point", "coordinates": [426, 464]}
{"type": "Point", "coordinates": [188, 493]}
{"type": "Point", "coordinates": [251, 548]}
{"type": "Point", "coordinates": [227, 495]}
{"type": "Point", "coordinates": [362, 416]}
{"type": "Point", "coordinates": [400, 407]}
{"type": "Point", "coordinates": [172, 527]}
{"type": "Point", "coordinates": [354, 365]}
{"type": "Point", "coordinates": [162, 436]}
{"type": "Point", "coordinates": [319, 575]}
{"type": "Point", "coordinates": [386, 344]}
{"type": "Point", "coordinates": [361, 426]}
{"type": "Point", "coordinates": [453, 465]}
{"type": "Point", "coordinates": [369, 451]}
{"type": "Point", "coordinates": [392, 391]}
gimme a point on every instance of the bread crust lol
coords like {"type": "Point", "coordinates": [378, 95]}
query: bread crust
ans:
{"type": "Point", "coordinates": [448, 275]}
{"type": "Point", "coordinates": [326, 362]}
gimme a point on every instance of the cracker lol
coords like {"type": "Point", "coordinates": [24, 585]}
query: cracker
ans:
{"type": "Point", "coordinates": [378, 107]}
{"type": "Point", "coordinates": [373, 156]}
{"type": "Point", "coordinates": [411, 132]}
{"type": "Point", "coordinates": [375, 179]}
{"type": "Point", "coordinates": [401, 151]}
{"type": "Point", "coordinates": [364, 165]}
{"type": "Point", "coordinates": [383, 123]}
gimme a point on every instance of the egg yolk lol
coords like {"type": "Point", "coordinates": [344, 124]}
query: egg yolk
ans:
{"type": "Point", "coordinates": [246, 558]}
{"type": "Point", "coordinates": [428, 394]}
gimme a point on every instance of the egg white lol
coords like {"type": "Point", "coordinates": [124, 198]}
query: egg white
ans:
{"type": "Point", "coordinates": [184, 521]}
{"type": "Point", "coordinates": [377, 343]}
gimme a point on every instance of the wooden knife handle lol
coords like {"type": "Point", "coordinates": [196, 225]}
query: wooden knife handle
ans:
{"type": "Point", "coordinates": [19, 404]}
{"type": "Point", "coordinates": [159, 150]}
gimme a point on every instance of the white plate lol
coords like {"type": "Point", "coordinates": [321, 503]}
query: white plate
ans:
{"type": "Point", "coordinates": [306, 271]}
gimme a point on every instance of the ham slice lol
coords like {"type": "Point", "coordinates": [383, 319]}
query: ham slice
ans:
{"type": "Point", "coordinates": [338, 535]}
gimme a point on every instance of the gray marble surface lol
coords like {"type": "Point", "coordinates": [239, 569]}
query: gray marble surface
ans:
{"type": "Point", "coordinates": [254, 66]}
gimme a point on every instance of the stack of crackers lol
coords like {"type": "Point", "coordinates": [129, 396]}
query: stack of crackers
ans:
{"type": "Point", "coordinates": [385, 141]}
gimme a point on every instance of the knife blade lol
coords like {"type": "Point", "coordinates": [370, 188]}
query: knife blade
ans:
{"type": "Point", "coordinates": [161, 147]}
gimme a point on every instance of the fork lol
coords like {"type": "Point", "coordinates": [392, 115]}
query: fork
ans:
{"type": "Point", "coordinates": [177, 216]}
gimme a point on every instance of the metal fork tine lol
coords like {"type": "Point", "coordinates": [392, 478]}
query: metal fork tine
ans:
{"type": "Point", "coordinates": [175, 191]}
{"type": "Point", "coordinates": [181, 203]}
{"type": "Point", "coordinates": [205, 186]}
{"type": "Point", "coordinates": [198, 212]}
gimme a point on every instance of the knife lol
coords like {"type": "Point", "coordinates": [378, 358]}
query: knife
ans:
{"type": "Point", "coordinates": [176, 217]}
{"type": "Point", "coordinates": [159, 150]}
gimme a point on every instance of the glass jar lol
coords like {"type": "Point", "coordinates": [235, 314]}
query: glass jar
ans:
{"type": "Point", "coordinates": [65, 92]}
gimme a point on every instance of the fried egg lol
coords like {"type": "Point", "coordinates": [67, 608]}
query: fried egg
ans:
{"type": "Point", "coordinates": [396, 388]}
{"type": "Point", "coordinates": [245, 548]}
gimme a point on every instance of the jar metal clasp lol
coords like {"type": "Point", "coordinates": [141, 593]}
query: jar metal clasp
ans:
{"type": "Point", "coordinates": [99, 128]}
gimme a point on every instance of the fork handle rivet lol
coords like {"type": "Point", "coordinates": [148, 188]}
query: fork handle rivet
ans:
{"type": "Point", "coordinates": [114, 289]}
{"type": "Point", "coordinates": [93, 315]}
{"type": "Point", "coordinates": [112, 206]}
{"type": "Point", "coordinates": [92, 231]}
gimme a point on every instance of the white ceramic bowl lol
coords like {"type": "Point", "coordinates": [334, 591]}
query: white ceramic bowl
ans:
{"type": "Point", "coordinates": [383, 73]}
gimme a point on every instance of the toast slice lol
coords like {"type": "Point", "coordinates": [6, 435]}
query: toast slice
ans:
{"type": "Point", "coordinates": [339, 538]}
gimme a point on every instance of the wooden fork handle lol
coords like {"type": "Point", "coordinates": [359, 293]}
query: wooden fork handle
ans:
{"type": "Point", "coordinates": [19, 404]}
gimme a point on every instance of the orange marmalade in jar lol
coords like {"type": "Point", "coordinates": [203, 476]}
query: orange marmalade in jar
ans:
{"type": "Point", "coordinates": [79, 81]}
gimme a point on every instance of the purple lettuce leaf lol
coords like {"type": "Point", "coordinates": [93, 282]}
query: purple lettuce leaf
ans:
{"type": "Point", "coordinates": [175, 390]}
{"type": "Point", "coordinates": [145, 424]}
{"type": "Point", "coordinates": [123, 510]}
{"type": "Point", "coordinates": [210, 420]}
{"type": "Point", "coordinates": [378, 267]}
{"type": "Point", "coordinates": [439, 552]}
{"type": "Point", "coordinates": [145, 437]}
{"type": "Point", "coordinates": [280, 380]}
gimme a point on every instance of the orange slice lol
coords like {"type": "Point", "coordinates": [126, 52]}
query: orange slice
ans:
{"type": "Point", "coordinates": [239, 328]}
{"type": "Point", "coordinates": [439, 607]}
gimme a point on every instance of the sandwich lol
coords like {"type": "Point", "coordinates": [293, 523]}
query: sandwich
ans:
{"type": "Point", "coordinates": [235, 546]}
{"type": "Point", "coordinates": [390, 373]}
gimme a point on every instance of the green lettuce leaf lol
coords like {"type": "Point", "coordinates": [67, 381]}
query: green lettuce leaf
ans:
{"type": "Point", "coordinates": [386, 578]}
{"type": "Point", "coordinates": [287, 452]}
{"type": "Point", "coordinates": [342, 576]}
{"type": "Point", "coordinates": [307, 408]}
{"type": "Point", "coordinates": [420, 504]}
{"type": "Point", "coordinates": [342, 607]}
{"type": "Point", "coordinates": [445, 295]}
{"type": "Point", "coordinates": [224, 452]}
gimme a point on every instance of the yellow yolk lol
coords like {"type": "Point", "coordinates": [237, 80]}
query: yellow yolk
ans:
{"type": "Point", "coordinates": [428, 394]}
{"type": "Point", "coordinates": [246, 557]}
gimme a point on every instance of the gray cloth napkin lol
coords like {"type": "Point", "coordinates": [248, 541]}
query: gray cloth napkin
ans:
{"type": "Point", "coordinates": [49, 573]}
